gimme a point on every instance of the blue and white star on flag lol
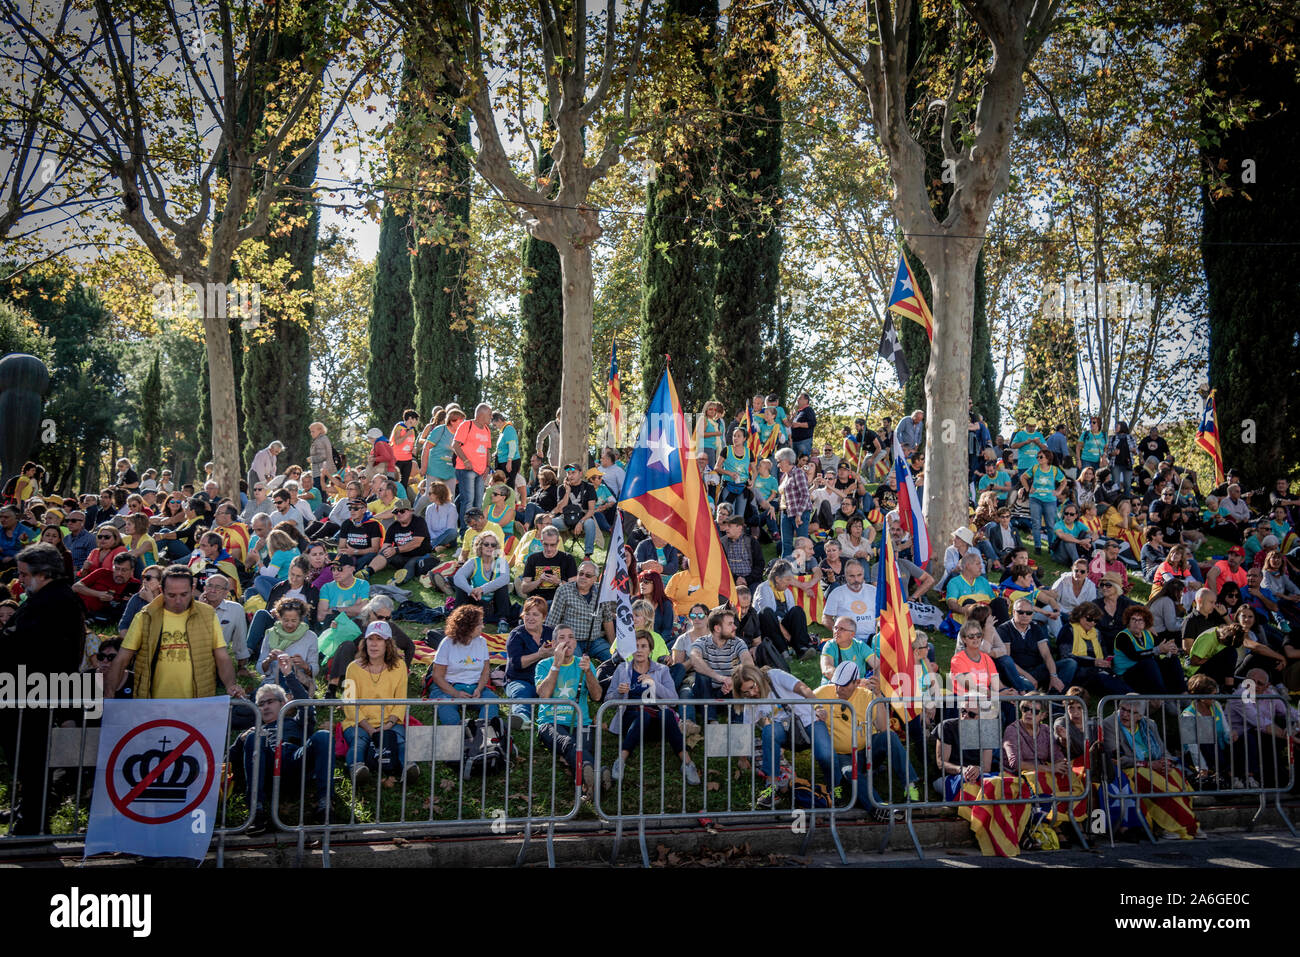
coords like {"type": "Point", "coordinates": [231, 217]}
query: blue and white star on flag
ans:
{"type": "Point", "coordinates": [661, 447]}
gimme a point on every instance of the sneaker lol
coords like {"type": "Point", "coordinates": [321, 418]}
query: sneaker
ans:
{"type": "Point", "coordinates": [516, 722]}
{"type": "Point", "coordinates": [1238, 784]}
{"type": "Point", "coordinates": [412, 771]}
{"type": "Point", "coordinates": [690, 773]}
{"type": "Point", "coordinates": [400, 576]}
{"type": "Point", "coordinates": [424, 580]}
{"type": "Point", "coordinates": [1251, 781]}
{"type": "Point", "coordinates": [260, 824]}
{"type": "Point", "coordinates": [766, 800]}
{"type": "Point", "coordinates": [808, 655]}
{"type": "Point", "coordinates": [1199, 835]}
{"type": "Point", "coordinates": [616, 772]}
{"type": "Point", "coordinates": [360, 775]}
{"type": "Point", "coordinates": [1170, 836]}
{"type": "Point", "coordinates": [913, 793]}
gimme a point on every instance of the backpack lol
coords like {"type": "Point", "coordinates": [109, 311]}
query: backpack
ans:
{"type": "Point", "coordinates": [339, 461]}
{"type": "Point", "coordinates": [485, 749]}
{"type": "Point", "coordinates": [766, 655]}
{"type": "Point", "coordinates": [806, 794]}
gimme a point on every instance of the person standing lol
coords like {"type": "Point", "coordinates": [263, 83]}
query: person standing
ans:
{"type": "Point", "coordinates": [46, 636]}
{"type": "Point", "coordinates": [471, 443]}
{"type": "Point", "coordinates": [507, 456]}
{"type": "Point", "coordinates": [264, 467]}
{"type": "Point", "coordinates": [177, 646]}
{"type": "Point", "coordinates": [549, 437]}
{"type": "Point", "coordinates": [802, 424]}
{"type": "Point", "coordinates": [402, 440]}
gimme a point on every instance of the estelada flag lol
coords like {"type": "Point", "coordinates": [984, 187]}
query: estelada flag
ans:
{"type": "Point", "coordinates": [897, 658]}
{"type": "Point", "coordinates": [664, 490]}
{"type": "Point", "coordinates": [907, 300]}
{"type": "Point", "coordinates": [615, 396]}
{"type": "Point", "coordinates": [1207, 436]}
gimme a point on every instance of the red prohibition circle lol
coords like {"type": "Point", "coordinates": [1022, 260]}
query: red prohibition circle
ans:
{"type": "Point", "coordinates": [111, 767]}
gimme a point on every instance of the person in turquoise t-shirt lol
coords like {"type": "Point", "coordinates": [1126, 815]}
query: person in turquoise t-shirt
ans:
{"type": "Point", "coordinates": [1092, 443]}
{"type": "Point", "coordinates": [565, 728]}
{"type": "Point", "coordinates": [1045, 484]}
{"type": "Point", "coordinates": [507, 450]}
{"type": "Point", "coordinates": [1028, 442]}
{"type": "Point", "coordinates": [996, 479]}
{"type": "Point", "coordinates": [1073, 540]}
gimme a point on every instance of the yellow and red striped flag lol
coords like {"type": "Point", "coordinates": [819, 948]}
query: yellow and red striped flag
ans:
{"type": "Point", "coordinates": [664, 490]}
{"type": "Point", "coordinates": [615, 397]}
{"type": "Point", "coordinates": [897, 658]}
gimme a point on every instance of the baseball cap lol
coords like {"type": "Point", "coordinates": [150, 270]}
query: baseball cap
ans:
{"type": "Point", "coordinates": [384, 630]}
{"type": "Point", "coordinates": [846, 673]}
{"type": "Point", "coordinates": [1237, 550]}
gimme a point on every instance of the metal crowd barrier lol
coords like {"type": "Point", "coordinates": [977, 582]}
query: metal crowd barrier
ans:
{"type": "Point", "coordinates": [979, 727]}
{"type": "Point", "coordinates": [436, 748]}
{"type": "Point", "coordinates": [1192, 739]}
{"type": "Point", "coordinates": [740, 794]}
{"type": "Point", "coordinates": [69, 740]}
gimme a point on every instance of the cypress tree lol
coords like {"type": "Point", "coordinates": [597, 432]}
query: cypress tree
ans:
{"type": "Point", "coordinates": [277, 365]}
{"type": "Point", "coordinates": [541, 310]}
{"type": "Point", "coordinates": [1251, 203]}
{"type": "Point", "coordinates": [749, 238]}
{"type": "Point", "coordinates": [678, 261]}
{"type": "Point", "coordinates": [390, 375]}
{"type": "Point", "coordinates": [1049, 391]}
{"type": "Point", "coordinates": [151, 410]}
{"type": "Point", "coordinates": [443, 337]}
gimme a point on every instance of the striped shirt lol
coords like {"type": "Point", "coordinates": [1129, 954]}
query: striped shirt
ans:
{"type": "Point", "coordinates": [723, 659]}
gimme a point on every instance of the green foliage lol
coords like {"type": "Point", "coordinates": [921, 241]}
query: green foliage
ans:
{"type": "Point", "coordinates": [390, 376]}
{"type": "Point", "coordinates": [151, 412]}
{"type": "Point", "coordinates": [86, 383]}
{"type": "Point", "coordinates": [1251, 260]}
{"type": "Point", "coordinates": [443, 337]}
{"type": "Point", "coordinates": [18, 333]}
{"type": "Point", "coordinates": [679, 255]}
{"type": "Point", "coordinates": [749, 233]}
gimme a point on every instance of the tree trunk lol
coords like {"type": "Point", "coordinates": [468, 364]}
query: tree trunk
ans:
{"type": "Point", "coordinates": [951, 266]}
{"type": "Point", "coordinates": [575, 384]}
{"type": "Point", "coordinates": [221, 395]}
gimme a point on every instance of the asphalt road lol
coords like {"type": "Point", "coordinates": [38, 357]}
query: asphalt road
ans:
{"type": "Point", "coordinates": [1226, 849]}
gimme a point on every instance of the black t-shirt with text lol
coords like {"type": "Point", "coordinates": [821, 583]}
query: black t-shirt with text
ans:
{"type": "Point", "coordinates": [580, 496]}
{"type": "Point", "coordinates": [399, 535]}
{"type": "Point", "coordinates": [563, 564]}
{"type": "Point", "coordinates": [361, 534]}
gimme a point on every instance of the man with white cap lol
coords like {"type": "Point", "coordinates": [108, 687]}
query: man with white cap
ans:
{"type": "Point", "coordinates": [963, 541]}
{"type": "Point", "coordinates": [849, 734]}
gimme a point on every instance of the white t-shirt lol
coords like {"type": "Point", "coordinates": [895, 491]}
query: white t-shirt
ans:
{"type": "Point", "coordinates": [861, 607]}
{"type": "Point", "coordinates": [464, 662]}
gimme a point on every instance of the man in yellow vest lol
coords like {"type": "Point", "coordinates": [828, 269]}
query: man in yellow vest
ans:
{"type": "Point", "coordinates": [177, 646]}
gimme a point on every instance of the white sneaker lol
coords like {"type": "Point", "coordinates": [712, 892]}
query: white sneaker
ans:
{"type": "Point", "coordinates": [690, 773]}
{"type": "Point", "coordinates": [1200, 835]}
{"type": "Point", "coordinates": [1237, 784]}
{"type": "Point", "coordinates": [616, 772]}
{"type": "Point", "coordinates": [1170, 836]}
{"type": "Point", "coordinates": [1251, 782]}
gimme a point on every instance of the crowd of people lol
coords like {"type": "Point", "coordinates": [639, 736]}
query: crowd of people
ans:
{"type": "Point", "coordinates": [294, 579]}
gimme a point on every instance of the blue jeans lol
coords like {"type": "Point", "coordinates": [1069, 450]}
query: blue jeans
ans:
{"type": "Point", "coordinates": [447, 535]}
{"type": "Point", "coordinates": [452, 714]}
{"type": "Point", "coordinates": [1067, 553]}
{"type": "Point", "coordinates": [1042, 518]}
{"type": "Point", "coordinates": [1011, 675]}
{"type": "Point", "coordinates": [263, 584]}
{"type": "Point", "coordinates": [703, 689]}
{"type": "Point", "coordinates": [589, 529]}
{"type": "Point", "coordinates": [257, 634]}
{"type": "Point", "coordinates": [1065, 669]}
{"type": "Point", "coordinates": [519, 688]}
{"type": "Point", "coordinates": [773, 739]}
{"type": "Point", "coordinates": [317, 753]}
{"type": "Point", "coordinates": [469, 492]}
{"type": "Point", "coordinates": [598, 648]}
{"type": "Point", "coordinates": [174, 549]}
{"type": "Point", "coordinates": [792, 527]}
{"type": "Point", "coordinates": [802, 447]}
{"type": "Point", "coordinates": [1123, 478]}
{"type": "Point", "coordinates": [363, 748]}
{"type": "Point", "coordinates": [888, 760]}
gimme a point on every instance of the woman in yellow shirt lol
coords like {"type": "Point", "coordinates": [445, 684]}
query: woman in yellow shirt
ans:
{"type": "Point", "coordinates": [376, 733]}
{"type": "Point", "coordinates": [139, 544]}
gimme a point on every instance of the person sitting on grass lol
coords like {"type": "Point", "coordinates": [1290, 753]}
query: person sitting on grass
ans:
{"type": "Point", "coordinates": [642, 680]}
{"type": "Point", "coordinates": [376, 733]}
{"type": "Point", "coordinates": [484, 580]}
{"type": "Point", "coordinates": [528, 644]}
{"type": "Point", "coordinates": [845, 646]}
{"type": "Point", "coordinates": [1209, 752]}
{"type": "Point", "coordinates": [778, 725]}
{"type": "Point", "coordinates": [713, 658]}
{"type": "Point", "coordinates": [298, 753]}
{"type": "Point", "coordinates": [849, 733]}
{"type": "Point", "coordinates": [462, 668]}
{"type": "Point", "coordinates": [566, 729]}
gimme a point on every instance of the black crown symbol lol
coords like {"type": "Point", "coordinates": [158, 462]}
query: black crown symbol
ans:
{"type": "Point", "coordinates": [171, 785]}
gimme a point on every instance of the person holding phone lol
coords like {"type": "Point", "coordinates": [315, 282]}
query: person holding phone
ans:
{"type": "Point", "coordinates": [528, 644]}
